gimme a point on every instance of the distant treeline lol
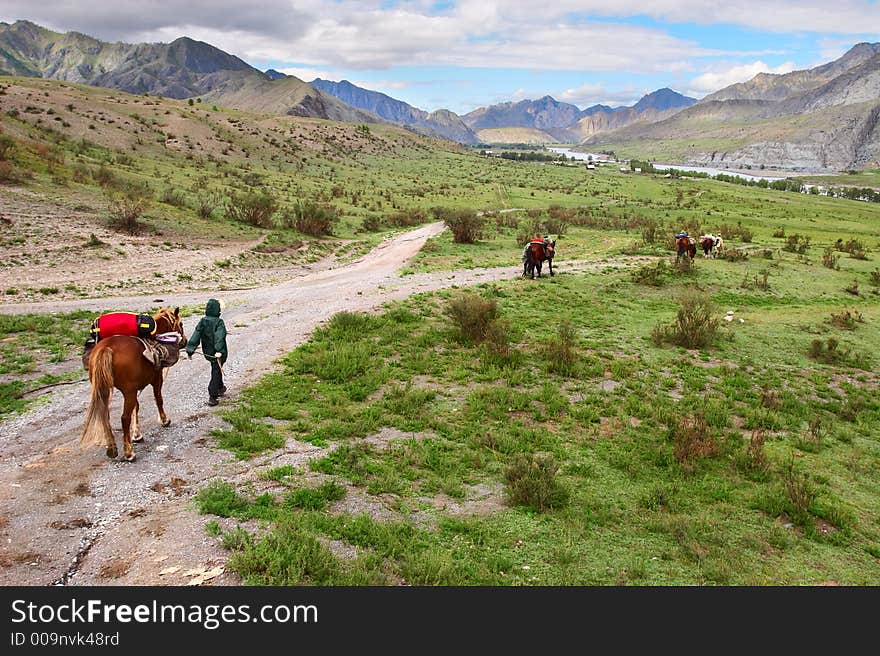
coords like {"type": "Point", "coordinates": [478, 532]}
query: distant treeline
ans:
{"type": "Point", "coordinates": [532, 156]}
{"type": "Point", "coordinates": [786, 184]}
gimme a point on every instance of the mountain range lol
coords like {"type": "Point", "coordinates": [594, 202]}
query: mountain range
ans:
{"type": "Point", "coordinates": [823, 118]}
{"type": "Point", "coordinates": [187, 68]}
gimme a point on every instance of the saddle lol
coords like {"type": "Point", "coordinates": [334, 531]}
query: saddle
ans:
{"type": "Point", "coordinates": [162, 351]}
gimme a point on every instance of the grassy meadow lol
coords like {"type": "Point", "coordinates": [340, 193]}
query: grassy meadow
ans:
{"type": "Point", "coordinates": [598, 428]}
{"type": "Point", "coordinates": [576, 440]}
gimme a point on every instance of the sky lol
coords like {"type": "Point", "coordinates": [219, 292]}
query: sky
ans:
{"type": "Point", "coordinates": [461, 55]}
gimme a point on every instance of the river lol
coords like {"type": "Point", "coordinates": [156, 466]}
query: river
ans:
{"type": "Point", "coordinates": [703, 169]}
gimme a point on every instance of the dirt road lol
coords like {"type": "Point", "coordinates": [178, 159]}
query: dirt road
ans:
{"type": "Point", "coordinates": [71, 516]}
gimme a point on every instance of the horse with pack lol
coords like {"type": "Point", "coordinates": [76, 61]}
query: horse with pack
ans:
{"type": "Point", "coordinates": [711, 244]}
{"type": "Point", "coordinates": [128, 351]}
{"type": "Point", "coordinates": [536, 252]}
{"type": "Point", "coordinates": [685, 245]}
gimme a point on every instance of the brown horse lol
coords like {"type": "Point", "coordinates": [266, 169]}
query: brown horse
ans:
{"type": "Point", "coordinates": [118, 362]}
{"type": "Point", "coordinates": [685, 246]}
{"type": "Point", "coordinates": [537, 253]}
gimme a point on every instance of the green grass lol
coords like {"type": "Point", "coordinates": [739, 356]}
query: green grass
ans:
{"type": "Point", "coordinates": [631, 513]}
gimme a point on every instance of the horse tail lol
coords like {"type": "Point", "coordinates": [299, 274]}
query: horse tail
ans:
{"type": "Point", "coordinates": [96, 429]}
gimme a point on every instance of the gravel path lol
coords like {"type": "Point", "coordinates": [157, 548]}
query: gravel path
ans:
{"type": "Point", "coordinates": [71, 516]}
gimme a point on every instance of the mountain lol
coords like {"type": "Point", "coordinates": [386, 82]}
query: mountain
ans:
{"type": "Point", "coordinates": [663, 100]}
{"type": "Point", "coordinates": [822, 119]}
{"type": "Point", "coordinates": [771, 86]}
{"type": "Point", "coordinates": [183, 68]}
{"type": "Point", "coordinates": [272, 74]}
{"type": "Point", "coordinates": [560, 121]}
{"type": "Point", "coordinates": [442, 123]}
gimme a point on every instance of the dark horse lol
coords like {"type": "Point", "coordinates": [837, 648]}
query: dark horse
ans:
{"type": "Point", "coordinates": [118, 361]}
{"type": "Point", "coordinates": [537, 253]}
{"type": "Point", "coordinates": [685, 246]}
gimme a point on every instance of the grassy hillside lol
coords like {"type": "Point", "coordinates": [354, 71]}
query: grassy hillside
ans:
{"type": "Point", "coordinates": [600, 428]}
{"type": "Point", "coordinates": [514, 135]}
{"type": "Point", "coordinates": [583, 440]}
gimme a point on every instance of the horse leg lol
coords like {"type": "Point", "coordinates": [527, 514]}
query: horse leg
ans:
{"type": "Point", "coordinates": [550, 264]}
{"type": "Point", "coordinates": [160, 406]}
{"type": "Point", "coordinates": [127, 409]}
{"type": "Point", "coordinates": [135, 422]}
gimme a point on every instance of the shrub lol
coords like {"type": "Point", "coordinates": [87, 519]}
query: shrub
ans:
{"type": "Point", "coordinates": [757, 459]}
{"type": "Point", "coordinates": [8, 173]}
{"type": "Point", "coordinates": [371, 223]}
{"type": "Point", "coordinates": [205, 204]}
{"type": "Point", "coordinates": [797, 244]}
{"type": "Point", "coordinates": [696, 323]}
{"type": "Point", "coordinates": [847, 320]}
{"type": "Point", "coordinates": [875, 277]}
{"type": "Point", "coordinates": [734, 255]}
{"type": "Point", "coordinates": [651, 275]}
{"type": "Point", "coordinates": [126, 208]}
{"type": "Point", "coordinates": [852, 289]}
{"type": "Point", "coordinates": [311, 218]}
{"type": "Point", "coordinates": [649, 231]}
{"type": "Point", "coordinates": [472, 315]}
{"type": "Point", "coordinates": [409, 217]}
{"type": "Point", "coordinates": [466, 225]}
{"type": "Point", "coordinates": [828, 351]}
{"type": "Point", "coordinates": [800, 493]}
{"type": "Point", "coordinates": [7, 147]}
{"type": "Point", "coordinates": [829, 259]}
{"type": "Point", "coordinates": [561, 352]}
{"type": "Point", "coordinates": [172, 196]}
{"type": "Point", "coordinates": [255, 208]}
{"type": "Point", "coordinates": [692, 441]}
{"type": "Point", "coordinates": [531, 481]}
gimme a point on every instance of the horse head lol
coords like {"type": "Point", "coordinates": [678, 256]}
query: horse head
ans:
{"type": "Point", "coordinates": [169, 321]}
{"type": "Point", "coordinates": [550, 250]}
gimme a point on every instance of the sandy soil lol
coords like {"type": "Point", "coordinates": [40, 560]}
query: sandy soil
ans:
{"type": "Point", "coordinates": [71, 516]}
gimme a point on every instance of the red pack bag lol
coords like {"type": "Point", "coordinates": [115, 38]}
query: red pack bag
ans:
{"type": "Point", "coordinates": [123, 323]}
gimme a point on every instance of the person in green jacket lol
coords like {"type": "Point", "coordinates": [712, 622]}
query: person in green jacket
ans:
{"type": "Point", "coordinates": [211, 334]}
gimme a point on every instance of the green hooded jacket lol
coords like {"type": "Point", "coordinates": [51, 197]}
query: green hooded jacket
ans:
{"type": "Point", "coordinates": [210, 333]}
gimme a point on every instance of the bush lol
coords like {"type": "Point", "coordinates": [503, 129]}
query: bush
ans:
{"type": "Point", "coordinates": [875, 277]}
{"type": "Point", "coordinates": [127, 208]}
{"type": "Point", "coordinates": [7, 147]}
{"type": "Point", "coordinates": [799, 492]}
{"type": "Point", "coordinates": [696, 323]}
{"type": "Point", "coordinates": [473, 316]}
{"type": "Point", "coordinates": [734, 255]}
{"type": "Point", "coordinates": [466, 225]}
{"type": "Point", "coordinates": [655, 276]}
{"type": "Point", "coordinates": [206, 204]}
{"type": "Point", "coordinates": [561, 352]}
{"type": "Point", "coordinates": [531, 481]}
{"type": "Point", "coordinates": [829, 259]}
{"type": "Point", "coordinates": [847, 320]}
{"type": "Point", "coordinates": [830, 352]}
{"type": "Point", "coordinates": [311, 218]}
{"type": "Point", "coordinates": [371, 223]}
{"type": "Point", "coordinates": [692, 441]}
{"type": "Point", "coordinates": [255, 208]}
{"type": "Point", "coordinates": [796, 244]}
{"type": "Point", "coordinates": [410, 217]}
{"type": "Point", "coordinates": [172, 196]}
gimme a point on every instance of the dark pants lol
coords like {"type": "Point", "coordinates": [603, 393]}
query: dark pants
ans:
{"type": "Point", "coordinates": [216, 384]}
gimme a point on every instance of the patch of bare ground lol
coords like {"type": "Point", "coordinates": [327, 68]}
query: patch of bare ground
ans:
{"type": "Point", "coordinates": [115, 569]}
{"type": "Point", "coordinates": [382, 440]}
{"type": "Point", "coordinates": [608, 427]}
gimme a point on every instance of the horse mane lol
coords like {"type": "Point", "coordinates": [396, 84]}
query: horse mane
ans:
{"type": "Point", "coordinates": [172, 317]}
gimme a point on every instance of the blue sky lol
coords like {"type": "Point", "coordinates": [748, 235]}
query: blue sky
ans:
{"type": "Point", "coordinates": [464, 54]}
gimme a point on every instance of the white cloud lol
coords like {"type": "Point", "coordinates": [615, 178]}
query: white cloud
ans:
{"type": "Point", "coordinates": [588, 95]}
{"type": "Point", "coordinates": [719, 78]}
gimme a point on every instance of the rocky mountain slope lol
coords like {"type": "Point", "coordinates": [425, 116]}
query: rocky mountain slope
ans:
{"type": "Point", "coordinates": [565, 122]}
{"type": "Point", "coordinates": [821, 119]}
{"type": "Point", "coordinates": [183, 68]}
{"type": "Point", "coordinates": [442, 123]}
